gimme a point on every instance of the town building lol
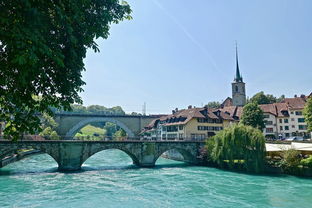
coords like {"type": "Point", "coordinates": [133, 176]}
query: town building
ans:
{"type": "Point", "coordinates": [285, 119]}
{"type": "Point", "coordinates": [188, 124]}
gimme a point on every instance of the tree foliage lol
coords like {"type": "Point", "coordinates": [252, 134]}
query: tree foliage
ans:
{"type": "Point", "coordinates": [290, 161]}
{"type": "Point", "coordinates": [213, 104]}
{"type": "Point", "coordinates": [252, 115]}
{"type": "Point", "coordinates": [120, 134]}
{"type": "Point", "coordinates": [261, 98]}
{"type": "Point", "coordinates": [48, 126]}
{"type": "Point", "coordinates": [240, 143]}
{"type": "Point", "coordinates": [307, 112]}
{"type": "Point", "coordinates": [42, 46]}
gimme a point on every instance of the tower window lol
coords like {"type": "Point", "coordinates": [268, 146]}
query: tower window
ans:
{"type": "Point", "coordinates": [236, 88]}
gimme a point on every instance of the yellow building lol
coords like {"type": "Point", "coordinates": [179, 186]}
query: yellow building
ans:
{"type": "Point", "coordinates": [188, 124]}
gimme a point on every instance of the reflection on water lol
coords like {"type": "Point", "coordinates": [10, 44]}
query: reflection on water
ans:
{"type": "Point", "coordinates": [109, 179]}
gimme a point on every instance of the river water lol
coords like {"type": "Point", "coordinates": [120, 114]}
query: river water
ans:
{"type": "Point", "coordinates": [108, 179]}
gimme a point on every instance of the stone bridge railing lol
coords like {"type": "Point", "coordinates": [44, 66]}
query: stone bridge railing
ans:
{"type": "Point", "coordinates": [70, 155]}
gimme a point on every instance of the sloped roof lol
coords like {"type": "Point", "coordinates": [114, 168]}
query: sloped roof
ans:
{"type": "Point", "coordinates": [269, 108]}
{"type": "Point", "coordinates": [276, 109]}
{"type": "Point", "coordinates": [227, 102]}
{"type": "Point", "coordinates": [232, 111]}
{"type": "Point", "coordinates": [296, 102]}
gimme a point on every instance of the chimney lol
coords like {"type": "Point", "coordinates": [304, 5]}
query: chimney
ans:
{"type": "Point", "coordinates": [176, 110]}
{"type": "Point", "coordinates": [189, 107]}
{"type": "Point", "coordinates": [295, 96]}
{"type": "Point", "coordinates": [173, 112]}
{"type": "Point", "coordinates": [302, 96]}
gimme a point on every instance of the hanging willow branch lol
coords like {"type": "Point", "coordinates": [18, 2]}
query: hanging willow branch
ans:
{"type": "Point", "coordinates": [240, 144]}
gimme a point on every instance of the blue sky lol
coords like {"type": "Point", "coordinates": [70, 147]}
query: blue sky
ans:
{"type": "Point", "coordinates": [176, 53]}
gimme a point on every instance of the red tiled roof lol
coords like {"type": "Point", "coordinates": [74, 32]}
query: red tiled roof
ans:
{"type": "Point", "coordinates": [269, 108]}
{"type": "Point", "coordinates": [233, 111]}
{"type": "Point", "coordinates": [227, 102]}
{"type": "Point", "coordinates": [295, 103]}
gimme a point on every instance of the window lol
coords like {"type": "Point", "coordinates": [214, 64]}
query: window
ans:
{"type": "Point", "coordinates": [269, 122]}
{"type": "Point", "coordinates": [287, 135]}
{"type": "Point", "coordinates": [266, 116]}
{"type": "Point", "coordinates": [281, 128]}
{"type": "Point", "coordinates": [281, 120]}
{"type": "Point", "coordinates": [291, 112]}
{"type": "Point", "coordinates": [180, 136]}
{"type": "Point", "coordinates": [286, 128]}
{"type": "Point", "coordinates": [269, 130]}
{"type": "Point", "coordinates": [302, 127]}
{"type": "Point", "coordinates": [180, 127]}
{"type": "Point", "coordinates": [236, 88]}
{"type": "Point", "coordinates": [172, 128]}
{"type": "Point", "coordinates": [286, 120]}
{"type": "Point", "coordinates": [164, 136]}
{"type": "Point", "coordinates": [298, 113]}
{"type": "Point", "coordinates": [164, 128]}
{"type": "Point", "coordinates": [198, 136]}
{"type": "Point", "coordinates": [300, 120]}
{"type": "Point", "coordinates": [293, 126]}
{"type": "Point", "coordinates": [172, 136]}
{"type": "Point", "coordinates": [292, 119]}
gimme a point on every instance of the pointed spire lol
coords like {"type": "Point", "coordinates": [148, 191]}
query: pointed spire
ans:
{"type": "Point", "coordinates": [238, 77]}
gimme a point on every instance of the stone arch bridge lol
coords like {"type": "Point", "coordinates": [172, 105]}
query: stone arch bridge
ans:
{"type": "Point", "coordinates": [71, 154]}
{"type": "Point", "coordinates": [71, 123]}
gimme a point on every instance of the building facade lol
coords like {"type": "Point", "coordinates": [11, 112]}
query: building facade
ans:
{"type": "Point", "coordinates": [188, 124]}
{"type": "Point", "coordinates": [285, 119]}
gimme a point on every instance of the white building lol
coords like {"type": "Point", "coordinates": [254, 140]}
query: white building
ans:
{"type": "Point", "coordinates": [285, 119]}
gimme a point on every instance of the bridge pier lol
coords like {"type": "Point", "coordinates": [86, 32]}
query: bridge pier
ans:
{"type": "Point", "coordinates": [70, 156]}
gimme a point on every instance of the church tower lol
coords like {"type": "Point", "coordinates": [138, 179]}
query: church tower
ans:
{"type": "Point", "coordinates": [238, 87]}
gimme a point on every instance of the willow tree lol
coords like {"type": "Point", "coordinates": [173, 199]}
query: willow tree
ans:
{"type": "Point", "coordinates": [240, 144]}
{"type": "Point", "coordinates": [42, 46]}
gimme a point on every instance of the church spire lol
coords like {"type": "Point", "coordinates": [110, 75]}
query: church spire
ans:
{"type": "Point", "coordinates": [238, 77]}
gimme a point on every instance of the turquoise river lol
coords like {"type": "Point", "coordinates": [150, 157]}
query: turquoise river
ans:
{"type": "Point", "coordinates": [108, 179]}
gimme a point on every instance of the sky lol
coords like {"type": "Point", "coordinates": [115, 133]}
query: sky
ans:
{"type": "Point", "coordinates": [175, 53]}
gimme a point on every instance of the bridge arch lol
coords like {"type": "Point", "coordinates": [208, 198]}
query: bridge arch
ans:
{"type": "Point", "coordinates": [14, 150]}
{"type": "Point", "coordinates": [128, 152]}
{"type": "Point", "coordinates": [131, 155]}
{"type": "Point", "coordinates": [87, 121]}
{"type": "Point", "coordinates": [188, 157]}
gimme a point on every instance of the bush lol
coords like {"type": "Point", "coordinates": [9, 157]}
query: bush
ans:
{"type": "Point", "coordinates": [239, 146]}
{"type": "Point", "coordinates": [290, 161]}
{"type": "Point", "coordinates": [307, 162]}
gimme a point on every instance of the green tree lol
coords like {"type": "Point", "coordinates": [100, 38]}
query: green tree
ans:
{"type": "Point", "coordinates": [280, 99]}
{"type": "Point", "coordinates": [252, 115]}
{"type": "Point", "coordinates": [76, 108]}
{"type": "Point", "coordinates": [42, 46]}
{"type": "Point", "coordinates": [307, 112]}
{"type": "Point", "coordinates": [261, 98]}
{"type": "Point", "coordinates": [242, 145]}
{"type": "Point", "coordinates": [120, 134]}
{"type": "Point", "coordinates": [48, 126]}
{"type": "Point", "coordinates": [110, 129]}
{"type": "Point", "coordinates": [213, 104]}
